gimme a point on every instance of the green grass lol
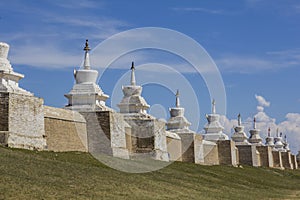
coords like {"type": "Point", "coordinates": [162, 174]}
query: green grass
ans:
{"type": "Point", "coordinates": [73, 175]}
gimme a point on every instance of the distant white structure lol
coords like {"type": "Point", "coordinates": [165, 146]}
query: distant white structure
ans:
{"type": "Point", "coordinates": [239, 136]}
{"type": "Point", "coordinates": [269, 139]}
{"type": "Point", "coordinates": [8, 78]}
{"type": "Point", "coordinates": [254, 135]}
{"type": "Point", "coordinates": [178, 122]}
{"type": "Point", "coordinates": [133, 102]}
{"type": "Point", "coordinates": [86, 94]}
{"type": "Point", "coordinates": [278, 143]}
{"type": "Point", "coordinates": [22, 116]}
{"type": "Point", "coordinates": [213, 128]}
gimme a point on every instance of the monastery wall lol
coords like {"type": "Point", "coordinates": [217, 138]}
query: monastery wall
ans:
{"type": "Point", "coordinates": [277, 160]}
{"type": "Point", "coordinates": [294, 161]}
{"type": "Point", "coordinates": [246, 155]}
{"type": "Point", "coordinates": [4, 97]}
{"type": "Point", "coordinates": [286, 160]}
{"type": "Point", "coordinates": [65, 130]}
{"type": "Point", "coordinates": [227, 152]}
{"type": "Point", "coordinates": [206, 153]}
{"type": "Point", "coordinates": [107, 133]}
{"type": "Point", "coordinates": [174, 146]}
{"type": "Point", "coordinates": [98, 132]}
{"type": "Point", "coordinates": [266, 157]}
{"type": "Point", "coordinates": [22, 121]}
{"type": "Point", "coordinates": [119, 130]}
{"type": "Point", "coordinates": [187, 147]}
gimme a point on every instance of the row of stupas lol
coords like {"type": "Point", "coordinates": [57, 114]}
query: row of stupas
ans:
{"type": "Point", "coordinates": [132, 131]}
{"type": "Point", "coordinates": [240, 138]}
{"type": "Point", "coordinates": [87, 95]}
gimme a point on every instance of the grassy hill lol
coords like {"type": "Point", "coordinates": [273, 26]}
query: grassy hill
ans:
{"type": "Point", "coordinates": [48, 175]}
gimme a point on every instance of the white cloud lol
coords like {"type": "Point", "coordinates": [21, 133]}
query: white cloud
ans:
{"type": "Point", "coordinates": [260, 108]}
{"type": "Point", "coordinates": [289, 127]}
{"type": "Point", "coordinates": [228, 124]}
{"type": "Point", "coordinates": [45, 56]}
{"type": "Point", "coordinates": [262, 101]}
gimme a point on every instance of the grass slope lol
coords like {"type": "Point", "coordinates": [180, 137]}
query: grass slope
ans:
{"type": "Point", "coordinates": [48, 175]}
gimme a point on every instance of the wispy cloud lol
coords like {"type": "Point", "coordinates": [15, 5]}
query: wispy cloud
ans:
{"type": "Point", "coordinates": [199, 9]}
{"type": "Point", "coordinates": [70, 4]}
{"type": "Point", "coordinates": [54, 37]}
{"type": "Point", "coordinates": [275, 60]}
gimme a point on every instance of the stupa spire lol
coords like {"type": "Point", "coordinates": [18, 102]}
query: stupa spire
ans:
{"type": "Point", "coordinates": [254, 123]}
{"type": "Point", "coordinates": [86, 63]}
{"type": "Point", "coordinates": [285, 138]}
{"type": "Point", "coordinates": [239, 120]}
{"type": "Point", "coordinates": [213, 107]}
{"type": "Point", "coordinates": [269, 132]}
{"type": "Point", "coordinates": [132, 81]}
{"type": "Point", "coordinates": [177, 99]}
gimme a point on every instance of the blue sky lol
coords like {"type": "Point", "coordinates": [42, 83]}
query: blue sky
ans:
{"type": "Point", "coordinates": [254, 43]}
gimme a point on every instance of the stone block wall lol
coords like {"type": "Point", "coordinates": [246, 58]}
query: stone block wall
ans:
{"type": "Point", "coordinates": [148, 136]}
{"type": "Point", "coordinates": [4, 99]}
{"type": "Point", "coordinates": [98, 132]}
{"type": "Point", "coordinates": [187, 147]}
{"type": "Point", "coordinates": [142, 135]}
{"type": "Point", "coordinates": [277, 160]}
{"type": "Point", "coordinates": [227, 152]}
{"type": "Point", "coordinates": [266, 157]}
{"type": "Point", "coordinates": [65, 130]}
{"type": "Point", "coordinates": [174, 146]}
{"type": "Point", "coordinates": [206, 152]}
{"type": "Point", "coordinates": [294, 161]}
{"type": "Point", "coordinates": [286, 160]}
{"type": "Point", "coordinates": [246, 155]}
{"type": "Point", "coordinates": [106, 133]}
{"type": "Point", "coordinates": [118, 128]}
{"type": "Point", "coordinates": [22, 121]}
{"type": "Point", "coordinates": [160, 141]}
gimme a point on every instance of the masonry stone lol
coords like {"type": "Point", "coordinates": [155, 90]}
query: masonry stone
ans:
{"type": "Point", "coordinates": [248, 155]}
{"type": "Point", "coordinates": [227, 152]}
{"type": "Point", "coordinates": [286, 160]}
{"type": "Point", "coordinates": [65, 130]}
{"type": "Point", "coordinates": [266, 157]}
{"type": "Point", "coordinates": [277, 159]}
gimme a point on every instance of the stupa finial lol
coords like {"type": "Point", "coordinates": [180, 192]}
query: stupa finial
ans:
{"type": "Point", "coordinates": [132, 74]}
{"type": "Point", "coordinates": [269, 132]}
{"type": "Point", "coordinates": [177, 99]}
{"type": "Point", "coordinates": [86, 63]}
{"type": "Point", "coordinates": [213, 107]}
{"type": "Point", "coordinates": [254, 123]}
{"type": "Point", "coordinates": [277, 132]}
{"type": "Point", "coordinates": [86, 48]}
{"type": "Point", "coordinates": [285, 138]}
{"type": "Point", "coordinates": [239, 120]}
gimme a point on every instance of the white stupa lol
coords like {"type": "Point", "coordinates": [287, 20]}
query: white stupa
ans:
{"type": "Point", "coordinates": [86, 95]}
{"type": "Point", "coordinates": [239, 136]}
{"type": "Point", "coordinates": [133, 102]}
{"type": "Point", "coordinates": [178, 122]}
{"type": "Point", "coordinates": [9, 80]}
{"type": "Point", "coordinates": [278, 143]}
{"type": "Point", "coordinates": [254, 135]}
{"type": "Point", "coordinates": [269, 139]}
{"type": "Point", "coordinates": [213, 128]}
